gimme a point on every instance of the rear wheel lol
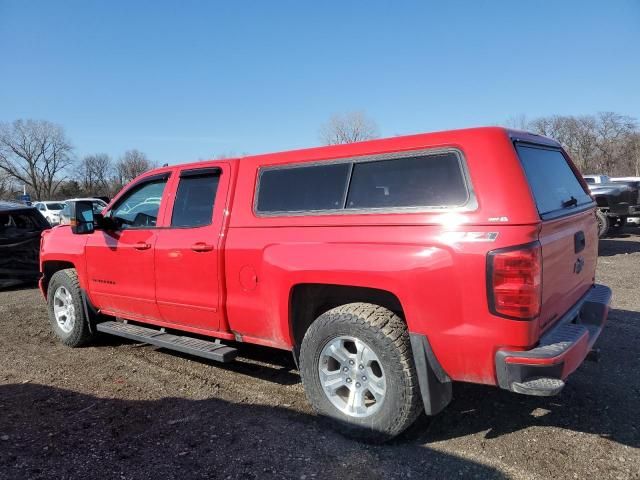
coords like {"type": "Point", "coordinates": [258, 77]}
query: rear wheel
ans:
{"type": "Point", "coordinates": [603, 223]}
{"type": "Point", "coordinates": [358, 372]}
{"type": "Point", "coordinates": [66, 309]}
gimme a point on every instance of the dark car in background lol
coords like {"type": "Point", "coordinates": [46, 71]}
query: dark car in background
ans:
{"type": "Point", "coordinates": [20, 229]}
{"type": "Point", "coordinates": [617, 201]}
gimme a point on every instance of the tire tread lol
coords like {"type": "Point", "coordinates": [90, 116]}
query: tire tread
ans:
{"type": "Point", "coordinates": [81, 334]}
{"type": "Point", "coordinates": [390, 329]}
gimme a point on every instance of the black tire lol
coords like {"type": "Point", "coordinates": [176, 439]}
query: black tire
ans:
{"type": "Point", "coordinates": [78, 333]}
{"type": "Point", "coordinates": [603, 223]}
{"type": "Point", "coordinates": [617, 224]}
{"type": "Point", "coordinates": [386, 335]}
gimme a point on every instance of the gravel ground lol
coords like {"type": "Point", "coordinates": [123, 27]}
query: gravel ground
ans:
{"type": "Point", "coordinates": [128, 411]}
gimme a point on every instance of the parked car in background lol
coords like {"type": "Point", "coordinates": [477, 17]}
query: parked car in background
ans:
{"type": "Point", "coordinates": [389, 268]}
{"type": "Point", "coordinates": [591, 179]}
{"type": "Point", "coordinates": [20, 229]}
{"type": "Point", "coordinates": [50, 211]}
{"type": "Point", "coordinates": [98, 206]}
{"type": "Point", "coordinates": [617, 200]}
{"type": "Point", "coordinates": [625, 179]}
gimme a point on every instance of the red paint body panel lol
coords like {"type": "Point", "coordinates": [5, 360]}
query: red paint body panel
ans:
{"type": "Point", "coordinates": [428, 260]}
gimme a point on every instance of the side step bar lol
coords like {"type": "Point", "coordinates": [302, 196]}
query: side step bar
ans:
{"type": "Point", "coordinates": [213, 350]}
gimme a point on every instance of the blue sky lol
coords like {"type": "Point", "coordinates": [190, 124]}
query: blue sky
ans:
{"type": "Point", "coordinates": [185, 80]}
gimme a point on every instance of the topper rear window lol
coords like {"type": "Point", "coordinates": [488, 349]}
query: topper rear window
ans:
{"type": "Point", "coordinates": [553, 182]}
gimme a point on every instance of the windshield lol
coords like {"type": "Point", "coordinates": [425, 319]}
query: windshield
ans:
{"type": "Point", "coordinates": [552, 181]}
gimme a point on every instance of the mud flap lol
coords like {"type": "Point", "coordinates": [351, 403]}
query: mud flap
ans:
{"type": "Point", "coordinates": [435, 384]}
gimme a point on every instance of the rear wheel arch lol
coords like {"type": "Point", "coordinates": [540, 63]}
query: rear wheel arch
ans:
{"type": "Point", "coordinates": [307, 301]}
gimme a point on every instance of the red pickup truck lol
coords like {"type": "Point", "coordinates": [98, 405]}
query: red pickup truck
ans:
{"type": "Point", "coordinates": [390, 268]}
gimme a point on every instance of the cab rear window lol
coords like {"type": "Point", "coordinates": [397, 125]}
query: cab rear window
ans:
{"type": "Point", "coordinates": [553, 183]}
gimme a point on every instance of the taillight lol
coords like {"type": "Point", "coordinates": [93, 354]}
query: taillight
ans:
{"type": "Point", "coordinates": [514, 281]}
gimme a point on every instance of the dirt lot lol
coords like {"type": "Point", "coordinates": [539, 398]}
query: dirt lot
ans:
{"type": "Point", "coordinates": [128, 411]}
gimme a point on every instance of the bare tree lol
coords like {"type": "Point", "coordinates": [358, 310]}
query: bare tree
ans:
{"type": "Point", "coordinates": [519, 122]}
{"type": "Point", "coordinates": [130, 165]}
{"type": "Point", "coordinates": [6, 186]}
{"type": "Point", "coordinates": [634, 158]}
{"type": "Point", "coordinates": [348, 128]}
{"type": "Point", "coordinates": [95, 173]}
{"type": "Point", "coordinates": [604, 143]}
{"type": "Point", "coordinates": [36, 153]}
{"type": "Point", "coordinates": [614, 132]}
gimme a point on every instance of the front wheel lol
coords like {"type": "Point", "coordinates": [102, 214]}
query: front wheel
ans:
{"type": "Point", "coordinates": [358, 372]}
{"type": "Point", "coordinates": [66, 309]}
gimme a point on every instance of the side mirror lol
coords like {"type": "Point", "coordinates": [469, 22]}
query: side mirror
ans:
{"type": "Point", "coordinates": [104, 223]}
{"type": "Point", "coordinates": [81, 217]}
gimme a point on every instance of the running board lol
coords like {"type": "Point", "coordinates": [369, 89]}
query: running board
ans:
{"type": "Point", "coordinates": [213, 350]}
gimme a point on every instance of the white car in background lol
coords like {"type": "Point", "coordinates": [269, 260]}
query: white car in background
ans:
{"type": "Point", "coordinates": [98, 206]}
{"type": "Point", "coordinates": [50, 211]}
{"type": "Point", "coordinates": [596, 179]}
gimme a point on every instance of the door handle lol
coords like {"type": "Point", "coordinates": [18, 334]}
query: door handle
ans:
{"type": "Point", "coordinates": [142, 246]}
{"type": "Point", "coordinates": [201, 247]}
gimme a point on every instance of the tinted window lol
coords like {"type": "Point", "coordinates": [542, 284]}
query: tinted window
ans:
{"type": "Point", "coordinates": [17, 223]}
{"type": "Point", "coordinates": [590, 180]}
{"type": "Point", "coordinates": [551, 179]}
{"type": "Point", "coordinates": [305, 188]}
{"type": "Point", "coordinates": [54, 206]}
{"type": "Point", "coordinates": [424, 181]}
{"type": "Point", "coordinates": [196, 195]}
{"type": "Point", "coordinates": [139, 206]}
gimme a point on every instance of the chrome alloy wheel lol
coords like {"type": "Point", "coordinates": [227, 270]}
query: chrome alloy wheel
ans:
{"type": "Point", "coordinates": [351, 376]}
{"type": "Point", "coordinates": [63, 309]}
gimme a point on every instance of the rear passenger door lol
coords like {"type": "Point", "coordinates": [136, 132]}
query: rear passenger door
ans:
{"type": "Point", "coordinates": [188, 256]}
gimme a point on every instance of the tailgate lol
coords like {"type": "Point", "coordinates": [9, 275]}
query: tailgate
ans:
{"type": "Point", "coordinates": [569, 255]}
{"type": "Point", "coordinates": [568, 232]}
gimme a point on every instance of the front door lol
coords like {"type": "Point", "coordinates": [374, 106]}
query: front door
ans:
{"type": "Point", "coordinates": [188, 250]}
{"type": "Point", "coordinates": [120, 260]}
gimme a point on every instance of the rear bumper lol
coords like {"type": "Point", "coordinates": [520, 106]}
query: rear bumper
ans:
{"type": "Point", "coordinates": [542, 370]}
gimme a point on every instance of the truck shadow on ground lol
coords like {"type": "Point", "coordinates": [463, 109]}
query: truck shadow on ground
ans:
{"type": "Point", "coordinates": [264, 363]}
{"type": "Point", "coordinates": [48, 432]}
{"type": "Point", "coordinates": [600, 398]}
